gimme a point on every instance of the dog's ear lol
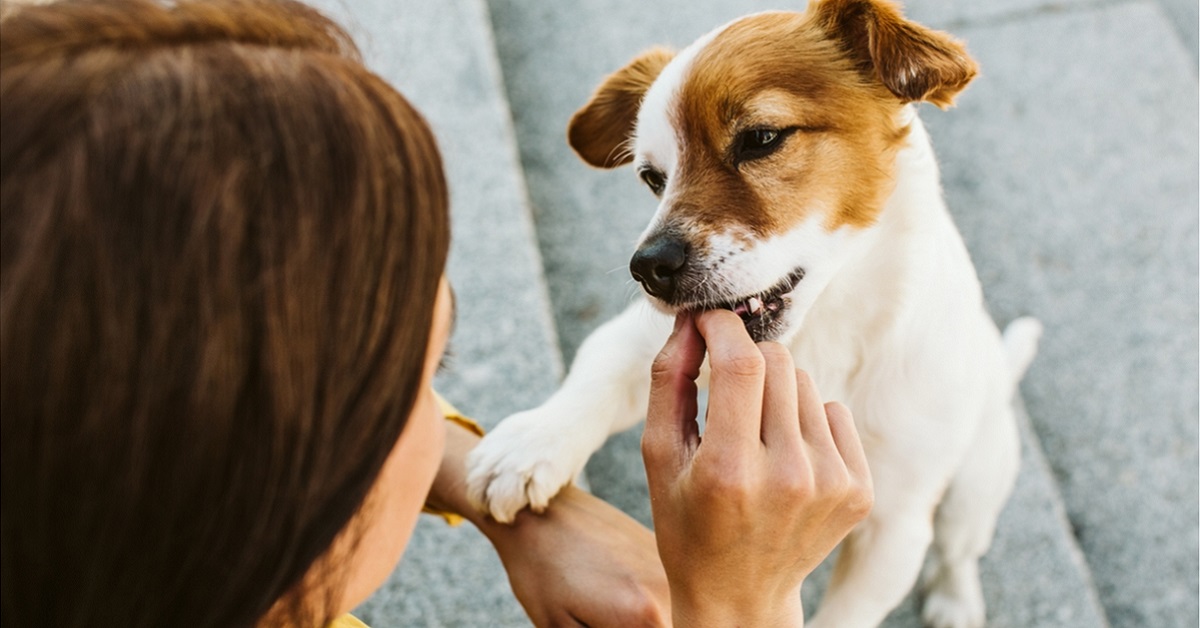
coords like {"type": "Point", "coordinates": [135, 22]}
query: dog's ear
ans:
{"type": "Point", "coordinates": [600, 130]}
{"type": "Point", "coordinates": [914, 62]}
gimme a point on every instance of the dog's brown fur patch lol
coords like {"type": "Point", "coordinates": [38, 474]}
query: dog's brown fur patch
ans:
{"type": "Point", "coordinates": [914, 62]}
{"type": "Point", "coordinates": [600, 131]}
{"type": "Point", "coordinates": [782, 71]}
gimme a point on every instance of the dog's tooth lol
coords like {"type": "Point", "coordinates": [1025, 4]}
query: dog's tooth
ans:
{"type": "Point", "coordinates": [754, 304]}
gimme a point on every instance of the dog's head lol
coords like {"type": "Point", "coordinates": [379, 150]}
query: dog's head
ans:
{"type": "Point", "coordinates": [771, 145]}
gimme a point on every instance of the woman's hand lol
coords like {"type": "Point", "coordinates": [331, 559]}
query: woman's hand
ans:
{"type": "Point", "coordinates": [582, 562]}
{"type": "Point", "coordinates": [745, 513]}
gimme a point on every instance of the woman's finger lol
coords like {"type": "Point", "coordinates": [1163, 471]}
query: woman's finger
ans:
{"type": "Point", "coordinates": [671, 431]}
{"type": "Point", "coordinates": [846, 439]}
{"type": "Point", "coordinates": [814, 426]}
{"type": "Point", "coordinates": [738, 370]}
{"type": "Point", "coordinates": [779, 426]}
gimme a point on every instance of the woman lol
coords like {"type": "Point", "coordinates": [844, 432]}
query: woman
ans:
{"type": "Point", "coordinates": [223, 247]}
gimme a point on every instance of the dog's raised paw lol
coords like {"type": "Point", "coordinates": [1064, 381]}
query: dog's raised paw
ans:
{"type": "Point", "coordinates": [523, 462]}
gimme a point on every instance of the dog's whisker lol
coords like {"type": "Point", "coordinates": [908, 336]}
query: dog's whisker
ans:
{"type": "Point", "coordinates": [632, 295]}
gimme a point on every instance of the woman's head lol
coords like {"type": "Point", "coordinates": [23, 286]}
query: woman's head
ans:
{"type": "Point", "coordinates": [221, 246]}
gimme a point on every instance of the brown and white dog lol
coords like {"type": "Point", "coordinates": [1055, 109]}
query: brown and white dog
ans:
{"type": "Point", "coordinates": [799, 189]}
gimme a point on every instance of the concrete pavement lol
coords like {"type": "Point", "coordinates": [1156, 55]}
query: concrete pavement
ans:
{"type": "Point", "coordinates": [1070, 166]}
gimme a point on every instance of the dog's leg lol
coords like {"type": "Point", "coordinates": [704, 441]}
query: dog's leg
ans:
{"type": "Point", "coordinates": [880, 560]}
{"type": "Point", "coordinates": [966, 518]}
{"type": "Point", "coordinates": [531, 455]}
{"type": "Point", "coordinates": [966, 521]}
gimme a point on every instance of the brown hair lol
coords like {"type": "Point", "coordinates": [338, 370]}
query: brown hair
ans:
{"type": "Point", "coordinates": [221, 243]}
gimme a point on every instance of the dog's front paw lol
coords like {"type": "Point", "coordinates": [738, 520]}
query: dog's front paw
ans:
{"type": "Point", "coordinates": [526, 460]}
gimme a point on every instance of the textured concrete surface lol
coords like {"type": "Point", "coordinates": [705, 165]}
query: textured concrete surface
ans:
{"type": "Point", "coordinates": [504, 351]}
{"type": "Point", "coordinates": [1185, 14]}
{"type": "Point", "coordinates": [1071, 168]}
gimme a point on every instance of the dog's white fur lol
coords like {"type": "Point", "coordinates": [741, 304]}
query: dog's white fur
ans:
{"type": "Point", "coordinates": [888, 319]}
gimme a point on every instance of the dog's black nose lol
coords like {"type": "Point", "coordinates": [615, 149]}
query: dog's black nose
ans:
{"type": "Point", "coordinates": [656, 264]}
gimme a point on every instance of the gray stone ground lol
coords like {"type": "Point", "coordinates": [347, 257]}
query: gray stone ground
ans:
{"type": "Point", "coordinates": [1070, 166]}
{"type": "Point", "coordinates": [1086, 216]}
{"type": "Point", "coordinates": [1185, 16]}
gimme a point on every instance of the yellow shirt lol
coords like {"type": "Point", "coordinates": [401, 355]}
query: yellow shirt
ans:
{"type": "Point", "coordinates": [454, 416]}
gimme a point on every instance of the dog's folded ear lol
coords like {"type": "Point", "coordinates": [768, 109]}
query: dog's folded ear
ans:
{"type": "Point", "coordinates": [601, 130]}
{"type": "Point", "coordinates": [914, 62]}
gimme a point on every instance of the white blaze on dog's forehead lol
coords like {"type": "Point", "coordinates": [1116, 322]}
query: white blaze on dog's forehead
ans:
{"type": "Point", "coordinates": [655, 140]}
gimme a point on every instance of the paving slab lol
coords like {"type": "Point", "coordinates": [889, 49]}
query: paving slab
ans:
{"type": "Point", "coordinates": [951, 14]}
{"type": "Point", "coordinates": [1185, 15]}
{"type": "Point", "coordinates": [553, 55]}
{"type": "Point", "coordinates": [505, 356]}
{"type": "Point", "coordinates": [1071, 168]}
{"type": "Point", "coordinates": [1076, 156]}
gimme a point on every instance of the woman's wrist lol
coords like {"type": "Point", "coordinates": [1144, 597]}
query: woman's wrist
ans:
{"type": "Point", "coordinates": [716, 607]}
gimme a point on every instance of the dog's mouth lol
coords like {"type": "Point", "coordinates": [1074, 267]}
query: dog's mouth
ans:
{"type": "Point", "coordinates": [762, 313]}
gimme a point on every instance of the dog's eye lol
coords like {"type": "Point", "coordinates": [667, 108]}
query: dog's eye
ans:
{"type": "Point", "coordinates": [759, 138]}
{"type": "Point", "coordinates": [655, 179]}
{"type": "Point", "coordinates": [757, 143]}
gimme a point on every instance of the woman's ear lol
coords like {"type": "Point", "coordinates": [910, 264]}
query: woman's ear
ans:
{"type": "Point", "coordinates": [601, 129]}
{"type": "Point", "coordinates": [914, 62]}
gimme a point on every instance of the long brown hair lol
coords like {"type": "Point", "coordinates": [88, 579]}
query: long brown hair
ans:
{"type": "Point", "coordinates": [221, 244]}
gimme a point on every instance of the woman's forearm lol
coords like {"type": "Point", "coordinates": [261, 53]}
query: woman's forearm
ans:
{"type": "Point", "coordinates": [449, 490]}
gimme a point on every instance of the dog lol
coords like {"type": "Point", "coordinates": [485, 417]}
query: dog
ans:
{"type": "Point", "coordinates": [798, 188]}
